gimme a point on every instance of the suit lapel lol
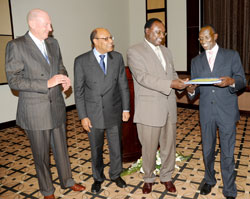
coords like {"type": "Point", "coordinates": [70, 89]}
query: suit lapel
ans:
{"type": "Point", "coordinates": [36, 53]}
{"type": "Point", "coordinates": [155, 59]}
{"type": "Point", "coordinates": [49, 51]}
{"type": "Point", "coordinates": [95, 65]}
{"type": "Point", "coordinates": [110, 64]}
{"type": "Point", "coordinates": [205, 64]}
{"type": "Point", "coordinates": [219, 59]}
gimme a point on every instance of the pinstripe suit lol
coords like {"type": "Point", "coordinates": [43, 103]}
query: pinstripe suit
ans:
{"type": "Point", "coordinates": [41, 110]}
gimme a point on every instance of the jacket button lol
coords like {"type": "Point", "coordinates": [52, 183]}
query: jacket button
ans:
{"type": "Point", "coordinates": [42, 74]}
{"type": "Point", "coordinates": [213, 91]}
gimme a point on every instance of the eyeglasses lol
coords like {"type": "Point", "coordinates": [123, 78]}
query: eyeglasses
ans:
{"type": "Point", "coordinates": [107, 38]}
{"type": "Point", "coordinates": [159, 33]}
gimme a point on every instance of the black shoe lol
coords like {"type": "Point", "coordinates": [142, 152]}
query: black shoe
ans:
{"type": "Point", "coordinates": [206, 189]}
{"type": "Point", "coordinates": [96, 187]}
{"type": "Point", "coordinates": [230, 197]}
{"type": "Point", "coordinates": [120, 182]}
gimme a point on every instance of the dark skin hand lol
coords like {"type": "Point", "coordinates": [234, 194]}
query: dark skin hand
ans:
{"type": "Point", "coordinates": [225, 81]}
{"type": "Point", "coordinates": [191, 88]}
{"type": "Point", "coordinates": [179, 84]}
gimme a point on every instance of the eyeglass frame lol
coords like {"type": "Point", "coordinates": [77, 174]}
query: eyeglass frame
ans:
{"type": "Point", "coordinates": [160, 32]}
{"type": "Point", "coordinates": [106, 38]}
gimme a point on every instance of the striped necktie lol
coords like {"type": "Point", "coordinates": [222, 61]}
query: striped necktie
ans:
{"type": "Point", "coordinates": [102, 63]}
{"type": "Point", "coordinates": [44, 52]}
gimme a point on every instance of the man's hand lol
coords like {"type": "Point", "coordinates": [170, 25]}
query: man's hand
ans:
{"type": "Point", "coordinates": [58, 79]}
{"type": "Point", "coordinates": [125, 116]}
{"type": "Point", "coordinates": [225, 81]}
{"type": "Point", "coordinates": [191, 88]}
{"type": "Point", "coordinates": [66, 85]}
{"type": "Point", "coordinates": [86, 124]}
{"type": "Point", "coordinates": [179, 84]}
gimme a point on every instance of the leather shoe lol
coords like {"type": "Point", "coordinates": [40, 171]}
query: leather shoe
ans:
{"type": "Point", "coordinates": [169, 186]}
{"type": "Point", "coordinates": [230, 197]}
{"type": "Point", "coordinates": [96, 187]}
{"type": "Point", "coordinates": [78, 187]}
{"type": "Point", "coordinates": [147, 188]}
{"type": "Point", "coordinates": [120, 182]}
{"type": "Point", "coordinates": [50, 197]}
{"type": "Point", "coordinates": [206, 189]}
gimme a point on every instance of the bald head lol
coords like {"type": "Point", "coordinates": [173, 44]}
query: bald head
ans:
{"type": "Point", "coordinates": [39, 23]}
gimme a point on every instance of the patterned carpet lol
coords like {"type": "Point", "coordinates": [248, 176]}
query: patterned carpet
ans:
{"type": "Point", "coordinates": [18, 178]}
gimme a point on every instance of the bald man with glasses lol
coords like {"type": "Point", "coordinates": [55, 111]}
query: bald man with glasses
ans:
{"type": "Point", "coordinates": [102, 101]}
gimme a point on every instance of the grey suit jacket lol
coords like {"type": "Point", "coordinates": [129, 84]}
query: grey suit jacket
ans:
{"type": "Point", "coordinates": [155, 101]}
{"type": "Point", "coordinates": [100, 97]}
{"type": "Point", "coordinates": [28, 72]}
{"type": "Point", "coordinates": [224, 100]}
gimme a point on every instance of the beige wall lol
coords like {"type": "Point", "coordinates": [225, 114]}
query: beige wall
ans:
{"type": "Point", "coordinates": [72, 23]}
{"type": "Point", "coordinates": [74, 20]}
{"type": "Point", "coordinates": [177, 32]}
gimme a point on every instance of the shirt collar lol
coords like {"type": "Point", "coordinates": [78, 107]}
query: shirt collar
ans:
{"type": "Point", "coordinates": [214, 49]}
{"type": "Point", "coordinates": [97, 53]}
{"type": "Point", "coordinates": [152, 45]}
{"type": "Point", "coordinates": [37, 41]}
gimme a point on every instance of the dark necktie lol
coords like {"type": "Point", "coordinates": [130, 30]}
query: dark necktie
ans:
{"type": "Point", "coordinates": [102, 63]}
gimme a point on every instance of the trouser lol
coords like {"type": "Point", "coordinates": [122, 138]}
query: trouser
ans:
{"type": "Point", "coordinates": [40, 145]}
{"type": "Point", "coordinates": [150, 138]}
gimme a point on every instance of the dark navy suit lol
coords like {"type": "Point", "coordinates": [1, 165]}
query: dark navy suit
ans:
{"type": "Point", "coordinates": [219, 109]}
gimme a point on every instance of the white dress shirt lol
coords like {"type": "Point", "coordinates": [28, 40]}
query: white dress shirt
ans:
{"type": "Point", "coordinates": [40, 44]}
{"type": "Point", "coordinates": [159, 54]}
{"type": "Point", "coordinates": [211, 55]}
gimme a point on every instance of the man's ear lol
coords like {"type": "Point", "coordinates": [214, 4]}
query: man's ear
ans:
{"type": "Point", "coordinates": [94, 41]}
{"type": "Point", "coordinates": [215, 36]}
{"type": "Point", "coordinates": [31, 24]}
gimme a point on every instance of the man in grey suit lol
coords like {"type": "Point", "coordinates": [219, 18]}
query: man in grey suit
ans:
{"type": "Point", "coordinates": [218, 107]}
{"type": "Point", "coordinates": [155, 79]}
{"type": "Point", "coordinates": [102, 101]}
{"type": "Point", "coordinates": [34, 67]}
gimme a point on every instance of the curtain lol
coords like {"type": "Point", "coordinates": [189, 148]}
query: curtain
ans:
{"type": "Point", "coordinates": [231, 19]}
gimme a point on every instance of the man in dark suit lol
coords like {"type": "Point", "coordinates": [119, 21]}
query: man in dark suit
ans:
{"type": "Point", "coordinates": [102, 101]}
{"type": "Point", "coordinates": [155, 81]}
{"type": "Point", "coordinates": [34, 67]}
{"type": "Point", "coordinates": [218, 107]}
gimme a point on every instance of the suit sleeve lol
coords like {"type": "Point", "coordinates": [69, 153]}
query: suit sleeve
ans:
{"type": "Point", "coordinates": [79, 89]}
{"type": "Point", "coordinates": [15, 67]}
{"type": "Point", "coordinates": [194, 75]}
{"type": "Point", "coordinates": [238, 74]}
{"type": "Point", "coordinates": [138, 65]}
{"type": "Point", "coordinates": [62, 69]}
{"type": "Point", "coordinates": [123, 86]}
